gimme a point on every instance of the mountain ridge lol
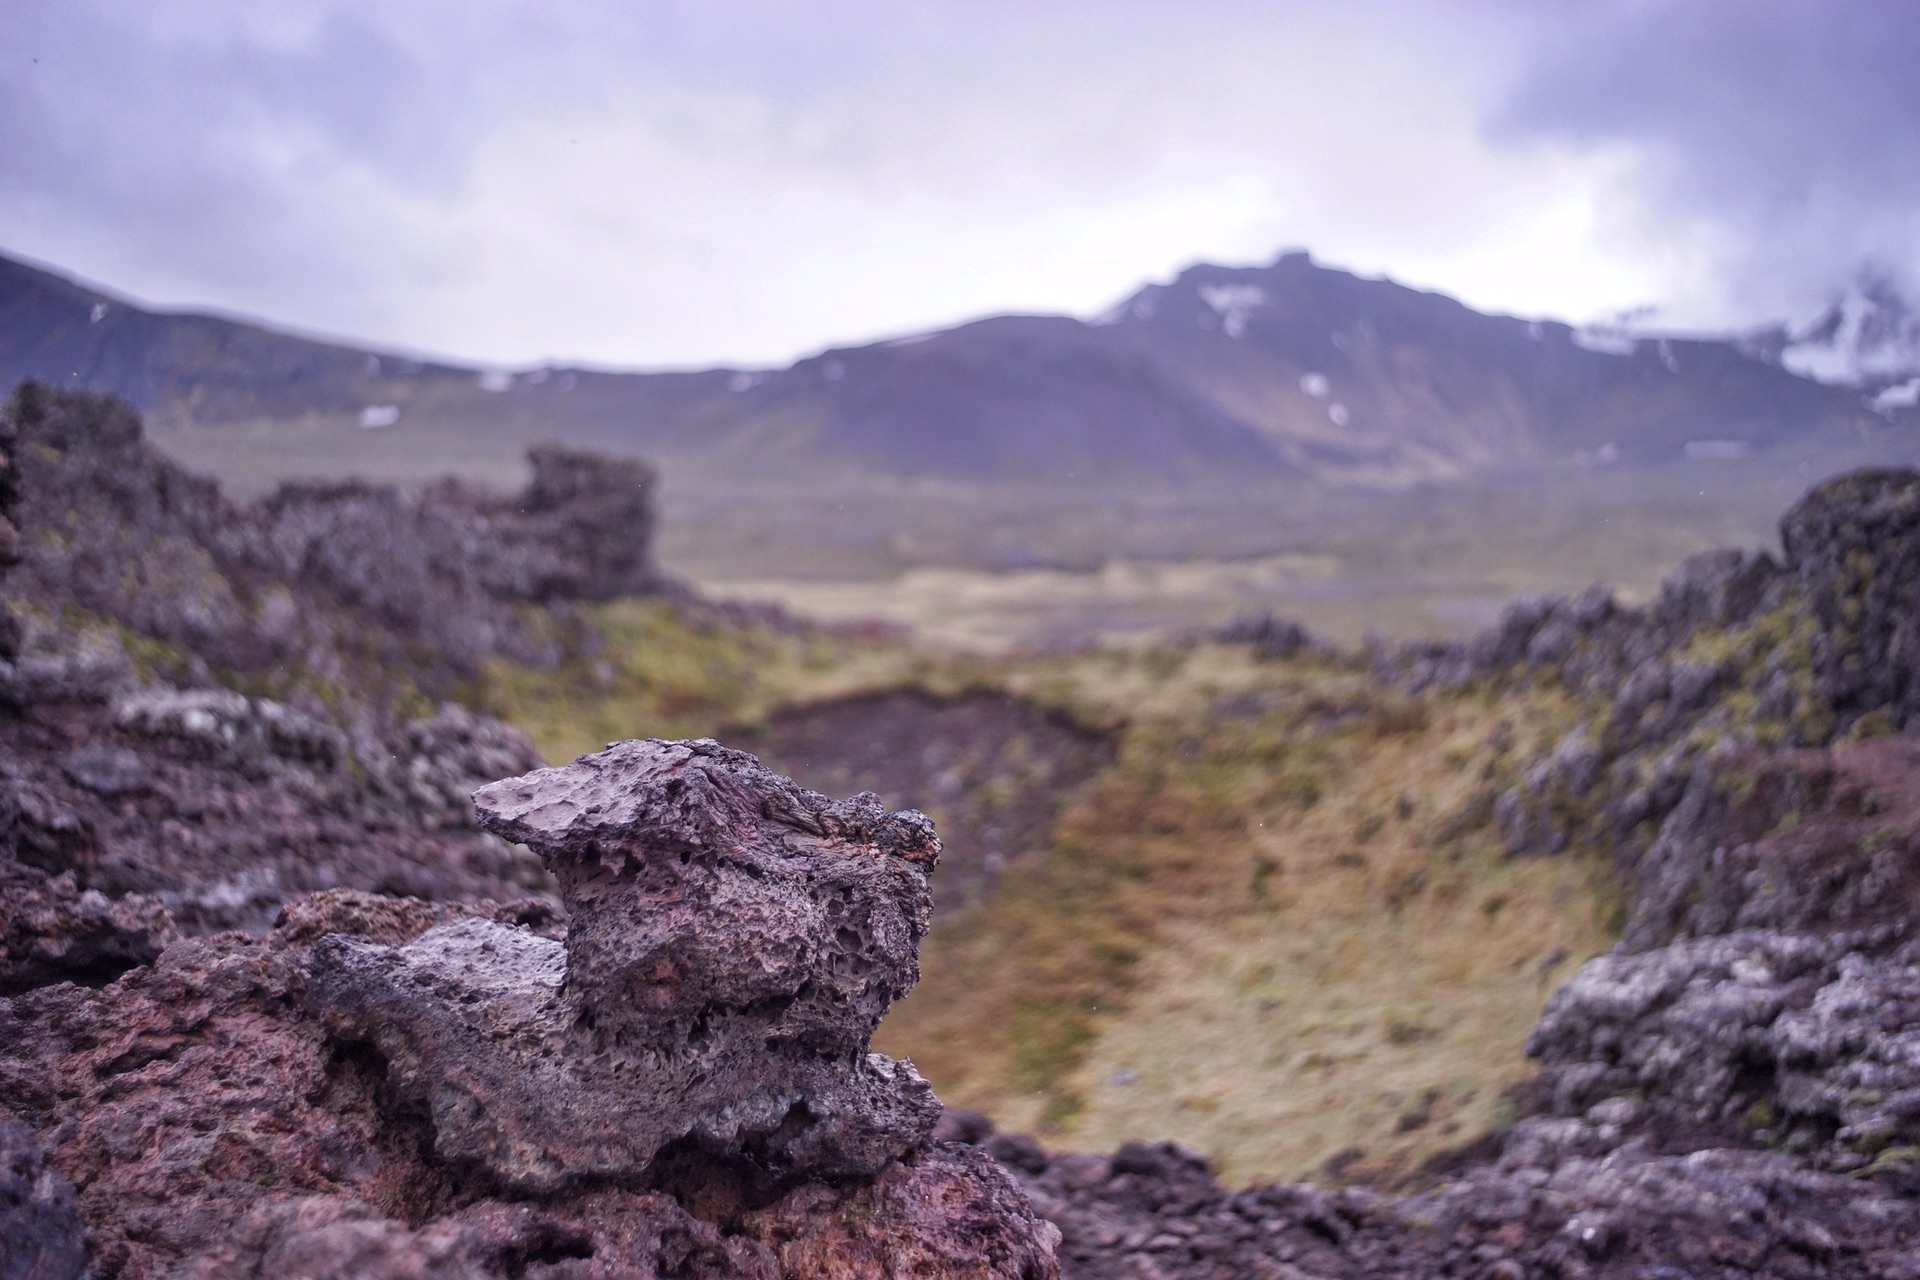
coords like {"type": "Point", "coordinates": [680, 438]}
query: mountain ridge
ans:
{"type": "Point", "coordinates": [1288, 371]}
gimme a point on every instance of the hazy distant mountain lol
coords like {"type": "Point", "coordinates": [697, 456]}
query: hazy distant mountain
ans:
{"type": "Point", "coordinates": [1287, 370]}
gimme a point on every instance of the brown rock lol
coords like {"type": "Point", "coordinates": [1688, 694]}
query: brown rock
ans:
{"type": "Point", "coordinates": [945, 1211]}
{"type": "Point", "coordinates": [51, 931]}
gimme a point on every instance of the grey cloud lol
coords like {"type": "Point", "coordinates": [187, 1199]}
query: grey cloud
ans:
{"type": "Point", "coordinates": [766, 173]}
{"type": "Point", "coordinates": [1785, 135]}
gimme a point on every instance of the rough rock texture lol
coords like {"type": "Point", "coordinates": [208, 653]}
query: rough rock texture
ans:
{"type": "Point", "coordinates": [1753, 1036]}
{"type": "Point", "coordinates": [41, 1235]}
{"type": "Point", "coordinates": [1737, 650]}
{"type": "Point", "coordinates": [199, 1103]}
{"type": "Point", "coordinates": [221, 807]}
{"type": "Point", "coordinates": [52, 931]}
{"type": "Point", "coordinates": [1735, 1090]}
{"type": "Point", "coordinates": [325, 577]}
{"type": "Point", "coordinates": [374, 1085]}
{"type": "Point", "coordinates": [1855, 545]}
{"type": "Point", "coordinates": [1794, 841]}
{"type": "Point", "coordinates": [1559, 1198]}
{"type": "Point", "coordinates": [217, 1126]}
{"type": "Point", "coordinates": [315, 757]}
{"type": "Point", "coordinates": [1767, 990]}
{"type": "Point", "coordinates": [732, 942]}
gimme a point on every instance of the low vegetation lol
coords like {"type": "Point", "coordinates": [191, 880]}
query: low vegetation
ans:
{"type": "Point", "coordinates": [1280, 930]}
{"type": "Point", "coordinates": [653, 671]}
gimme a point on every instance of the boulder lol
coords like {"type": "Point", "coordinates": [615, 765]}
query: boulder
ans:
{"type": "Point", "coordinates": [732, 942]}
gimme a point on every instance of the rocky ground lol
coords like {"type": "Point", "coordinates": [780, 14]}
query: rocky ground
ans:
{"type": "Point", "coordinates": [276, 1000]}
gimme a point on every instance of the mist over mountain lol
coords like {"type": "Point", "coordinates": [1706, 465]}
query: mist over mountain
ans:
{"type": "Point", "coordinates": [1287, 372]}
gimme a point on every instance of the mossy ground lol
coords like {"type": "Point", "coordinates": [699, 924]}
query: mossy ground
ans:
{"type": "Point", "coordinates": [1279, 928]}
{"type": "Point", "coordinates": [658, 674]}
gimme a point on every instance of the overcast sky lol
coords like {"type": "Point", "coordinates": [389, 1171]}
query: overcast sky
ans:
{"type": "Point", "coordinates": [646, 183]}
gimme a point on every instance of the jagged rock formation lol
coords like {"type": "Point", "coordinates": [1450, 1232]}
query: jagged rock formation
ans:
{"type": "Point", "coordinates": [41, 1235]}
{"type": "Point", "coordinates": [1854, 544]}
{"type": "Point", "coordinates": [131, 764]}
{"type": "Point", "coordinates": [1560, 1198]}
{"type": "Point", "coordinates": [1738, 651]}
{"type": "Point", "coordinates": [675, 1081]}
{"type": "Point", "coordinates": [350, 581]}
{"type": "Point", "coordinates": [684, 1087]}
{"type": "Point", "coordinates": [221, 807]}
{"type": "Point", "coordinates": [1768, 987]}
{"type": "Point", "coordinates": [732, 942]}
{"type": "Point", "coordinates": [353, 1094]}
{"type": "Point", "coordinates": [1732, 1091]}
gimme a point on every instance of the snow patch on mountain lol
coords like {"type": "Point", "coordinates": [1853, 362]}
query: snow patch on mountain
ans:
{"type": "Point", "coordinates": [1233, 303]}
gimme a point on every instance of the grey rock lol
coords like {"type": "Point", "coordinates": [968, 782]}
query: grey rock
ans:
{"type": "Point", "coordinates": [1853, 544]}
{"type": "Point", "coordinates": [107, 771]}
{"type": "Point", "coordinates": [330, 1236]}
{"type": "Point", "coordinates": [732, 942]}
{"type": "Point", "coordinates": [51, 931]}
{"type": "Point", "coordinates": [238, 730]}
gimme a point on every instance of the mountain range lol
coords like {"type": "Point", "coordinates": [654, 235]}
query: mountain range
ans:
{"type": "Point", "coordinates": [1291, 371]}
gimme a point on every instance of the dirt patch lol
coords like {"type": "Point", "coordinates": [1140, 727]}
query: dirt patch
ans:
{"type": "Point", "coordinates": [991, 770]}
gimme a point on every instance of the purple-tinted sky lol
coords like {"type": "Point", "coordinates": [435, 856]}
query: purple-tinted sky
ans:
{"type": "Point", "coordinates": [636, 182]}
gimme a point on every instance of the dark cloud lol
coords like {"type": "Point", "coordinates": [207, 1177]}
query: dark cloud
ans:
{"type": "Point", "coordinates": [1780, 138]}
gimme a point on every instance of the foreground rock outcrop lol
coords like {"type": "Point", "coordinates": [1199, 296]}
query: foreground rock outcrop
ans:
{"type": "Point", "coordinates": [680, 1085]}
{"type": "Point", "coordinates": [732, 942]}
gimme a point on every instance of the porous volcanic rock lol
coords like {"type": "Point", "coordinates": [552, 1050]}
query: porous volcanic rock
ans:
{"type": "Point", "coordinates": [732, 942]}
{"type": "Point", "coordinates": [41, 1235]}
{"type": "Point", "coordinates": [53, 931]}
{"type": "Point", "coordinates": [216, 1126]}
{"type": "Point", "coordinates": [1551, 1198]}
{"type": "Point", "coordinates": [131, 773]}
{"type": "Point", "coordinates": [1737, 649]}
{"type": "Point", "coordinates": [222, 807]}
{"type": "Point", "coordinates": [322, 577]}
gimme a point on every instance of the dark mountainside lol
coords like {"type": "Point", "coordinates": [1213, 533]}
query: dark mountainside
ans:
{"type": "Point", "coordinates": [419, 1053]}
{"type": "Point", "coordinates": [1255, 375]}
